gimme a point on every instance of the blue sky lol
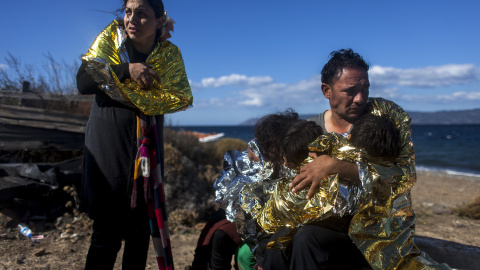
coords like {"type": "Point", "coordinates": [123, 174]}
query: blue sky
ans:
{"type": "Point", "coordinates": [247, 58]}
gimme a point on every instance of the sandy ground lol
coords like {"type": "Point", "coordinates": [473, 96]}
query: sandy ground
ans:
{"type": "Point", "coordinates": [434, 197]}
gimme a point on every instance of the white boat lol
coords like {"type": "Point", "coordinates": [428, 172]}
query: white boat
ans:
{"type": "Point", "coordinates": [211, 138]}
{"type": "Point", "coordinates": [205, 137]}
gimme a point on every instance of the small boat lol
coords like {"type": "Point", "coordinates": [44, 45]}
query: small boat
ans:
{"type": "Point", "coordinates": [205, 137]}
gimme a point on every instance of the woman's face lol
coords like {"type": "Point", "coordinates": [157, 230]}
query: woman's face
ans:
{"type": "Point", "coordinates": [140, 22]}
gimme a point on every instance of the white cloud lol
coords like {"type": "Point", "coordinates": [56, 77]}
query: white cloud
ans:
{"type": "Point", "coordinates": [431, 76]}
{"type": "Point", "coordinates": [456, 96]}
{"type": "Point", "coordinates": [387, 82]}
{"type": "Point", "coordinates": [233, 80]}
{"type": "Point", "coordinates": [282, 95]}
{"type": "Point", "coordinates": [460, 97]}
{"type": "Point", "coordinates": [3, 66]}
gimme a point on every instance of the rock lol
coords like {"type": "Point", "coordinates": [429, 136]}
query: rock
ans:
{"type": "Point", "coordinates": [40, 252]}
{"type": "Point", "coordinates": [20, 258]}
{"type": "Point", "coordinates": [442, 211]}
{"type": "Point", "coordinates": [458, 224]}
{"type": "Point", "coordinates": [456, 255]}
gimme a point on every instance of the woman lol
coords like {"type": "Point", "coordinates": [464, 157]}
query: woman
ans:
{"type": "Point", "coordinates": [136, 76]}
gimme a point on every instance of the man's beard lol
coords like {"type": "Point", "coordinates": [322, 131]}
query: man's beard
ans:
{"type": "Point", "coordinates": [351, 119]}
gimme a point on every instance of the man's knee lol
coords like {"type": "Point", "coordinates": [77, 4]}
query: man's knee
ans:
{"type": "Point", "coordinates": [311, 235]}
{"type": "Point", "coordinates": [307, 235]}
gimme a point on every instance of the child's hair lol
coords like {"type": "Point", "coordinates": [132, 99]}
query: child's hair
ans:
{"type": "Point", "coordinates": [270, 130]}
{"type": "Point", "coordinates": [296, 141]}
{"type": "Point", "coordinates": [377, 135]}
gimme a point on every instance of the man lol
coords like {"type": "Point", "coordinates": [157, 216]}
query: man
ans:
{"type": "Point", "coordinates": [381, 229]}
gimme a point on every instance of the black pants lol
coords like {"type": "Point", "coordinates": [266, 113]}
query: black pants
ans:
{"type": "Point", "coordinates": [109, 231]}
{"type": "Point", "coordinates": [217, 255]}
{"type": "Point", "coordinates": [314, 247]}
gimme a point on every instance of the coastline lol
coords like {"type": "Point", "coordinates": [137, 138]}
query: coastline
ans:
{"type": "Point", "coordinates": [425, 169]}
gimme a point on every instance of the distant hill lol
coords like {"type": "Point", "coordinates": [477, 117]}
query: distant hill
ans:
{"type": "Point", "coordinates": [464, 117]}
{"type": "Point", "coordinates": [446, 117]}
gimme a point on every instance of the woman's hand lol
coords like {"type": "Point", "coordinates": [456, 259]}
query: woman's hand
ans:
{"type": "Point", "coordinates": [143, 75]}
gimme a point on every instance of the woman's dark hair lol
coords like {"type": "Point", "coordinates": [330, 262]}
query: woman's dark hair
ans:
{"type": "Point", "coordinates": [157, 6]}
{"type": "Point", "coordinates": [344, 58]}
{"type": "Point", "coordinates": [377, 135]}
{"type": "Point", "coordinates": [270, 130]}
{"type": "Point", "coordinates": [297, 139]}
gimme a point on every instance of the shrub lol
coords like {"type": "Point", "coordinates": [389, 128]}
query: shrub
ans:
{"type": "Point", "coordinates": [471, 210]}
{"type": "Point", "coordinates": [225, 144]}
{"type": "Point", "coordinates": [202, 153]}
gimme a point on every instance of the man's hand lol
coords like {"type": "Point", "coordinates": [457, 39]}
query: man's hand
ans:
{"type": "Point", "coordinates": [313, 173]}
{"type": "Point", "coordinates": [143, 75]}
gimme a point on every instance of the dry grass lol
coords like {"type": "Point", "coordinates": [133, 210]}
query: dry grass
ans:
{"type": "Point", "coordinates": [202, 153]}
{"type": "Point", "coordinates": [471, 210]}
{"type": "Point", "coordinates": [226, 144]}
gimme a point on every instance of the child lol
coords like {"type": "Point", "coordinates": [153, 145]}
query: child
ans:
{"type": "Point", "coordinates": [377, 135]}
{"type": "Point", "coordinates": [219, 239]}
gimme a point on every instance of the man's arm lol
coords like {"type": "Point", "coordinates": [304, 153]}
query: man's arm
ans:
{"type": "Point", "coordinates": [322, 166]}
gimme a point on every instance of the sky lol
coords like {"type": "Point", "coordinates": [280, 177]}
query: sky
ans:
{"type": "Point", "coordinates": [248, 58]}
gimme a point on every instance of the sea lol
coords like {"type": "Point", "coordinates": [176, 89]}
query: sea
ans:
{"type": "Point", "coordinates": [451, 149]}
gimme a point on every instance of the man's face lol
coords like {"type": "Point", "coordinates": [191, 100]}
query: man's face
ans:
{"type": "Point", "coordinates": [348, 95]}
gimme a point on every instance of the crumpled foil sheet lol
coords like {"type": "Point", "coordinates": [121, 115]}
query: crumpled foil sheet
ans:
{"type": "Point", "coordinates": [237, 171]}
{"type": "Point", "coordinates": [383, 221]}
{"type": "Point", "coordinates": [331, 207]}
{"type": "Point", "coordinates": [170, 95]}
{"type": "Point", "coordinates": [383, 225]}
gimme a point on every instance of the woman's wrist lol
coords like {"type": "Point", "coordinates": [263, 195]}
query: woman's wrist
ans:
{"type": "Point", "coordinates": [122, 71]}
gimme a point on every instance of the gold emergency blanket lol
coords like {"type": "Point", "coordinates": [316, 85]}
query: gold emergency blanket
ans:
{"type": "Point", "coordinates": [330, 207]}
{"type": "Point", "coordinates": [383, 222]}
{"type": "Point", "coordinates": [169, 95]}
{"type": "Point", "coordinates": [383, 226]}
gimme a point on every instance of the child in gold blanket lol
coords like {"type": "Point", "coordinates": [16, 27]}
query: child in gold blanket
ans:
{"type": "Point", "coordinates": [372, 137]}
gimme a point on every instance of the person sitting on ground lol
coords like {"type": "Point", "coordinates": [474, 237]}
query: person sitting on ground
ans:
{"type": "Point", "coordinates": [381, 231]}
{"type": "Point", "coordinates": [374, 134]}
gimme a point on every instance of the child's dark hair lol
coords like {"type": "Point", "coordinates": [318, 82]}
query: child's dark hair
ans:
{"type": "Point", "coordinates": [297, 139]}
{"type": "Point", "coordinates": [270, 130]}
{"type": "Point", "coordinates": [377, 135]}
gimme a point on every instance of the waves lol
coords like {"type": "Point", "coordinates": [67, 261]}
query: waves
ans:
{"type": "Point", "coordinates": [448, 171]}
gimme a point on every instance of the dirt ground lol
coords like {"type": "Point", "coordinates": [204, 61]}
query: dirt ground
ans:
{"type": "Point", "coordinates": [434, 197]}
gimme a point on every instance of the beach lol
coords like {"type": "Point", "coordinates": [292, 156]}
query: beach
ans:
{"type": "Point", "coordinates": [434, 196]}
